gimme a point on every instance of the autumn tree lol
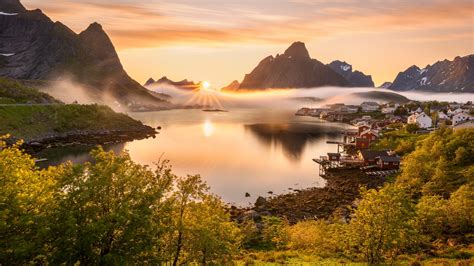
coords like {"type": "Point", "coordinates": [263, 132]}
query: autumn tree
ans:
{"type": "Point", "coordinates": [381, 227]}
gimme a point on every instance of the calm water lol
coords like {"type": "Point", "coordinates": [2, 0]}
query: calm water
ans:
{"type": "Point", "coordinates": [244, 150]}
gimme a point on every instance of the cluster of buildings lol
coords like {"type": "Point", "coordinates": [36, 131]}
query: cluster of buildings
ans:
{"type": "Point", "coordinates": [445, 116]}
{"type": "Point", "coordinates": [367, 130]}
{"type": "Point", "coordinates": [452, 114]}
{"type": "Point", "coordinates": [338, 111]}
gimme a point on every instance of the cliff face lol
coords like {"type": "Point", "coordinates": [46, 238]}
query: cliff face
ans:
{"type": "Point", "coordinates": [443, 76]}
{"type": "Point", "coordinates": [33, 47]}
{"type": "Point", "coordinates": [355, 78]}
{"type": "Point", "coordinates": [293, 69]}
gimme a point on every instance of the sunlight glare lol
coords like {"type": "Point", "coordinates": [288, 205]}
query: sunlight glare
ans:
{"type": "Point", "coordinates": [208, 128]}
{"type": "Point", "coordinates": [206, 85]}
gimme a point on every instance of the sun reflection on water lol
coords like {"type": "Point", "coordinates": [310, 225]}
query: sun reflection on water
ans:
{"type": "Point", "coordinates": [208, 128]}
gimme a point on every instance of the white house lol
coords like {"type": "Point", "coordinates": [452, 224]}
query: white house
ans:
{"type": "Point", "coordinates": [463, 125]}
{"type": "Point", "coordinates": [442, 116]}
{"type": "Point", "coordinates": [369, 106]}
{"type": "Point", "coordinates": [423, 120]}
{"type": "Point", "coordinates": [461, 117]}
{"type": "Point", "coordinates": [388, 110]}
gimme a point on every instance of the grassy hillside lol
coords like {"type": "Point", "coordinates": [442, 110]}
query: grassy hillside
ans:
{"type": "Point", "coordinates": [13, 92]}
{"type": "Point", "coordinates": [39, 121]}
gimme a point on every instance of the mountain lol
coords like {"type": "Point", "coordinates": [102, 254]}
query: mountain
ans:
{"type": "Point", "coordinates": [386, 85]}
{"type": "Point", "coordinates": [234, 85]}
{"type": "Point", "coordinates": [355, 78]}
{"type": "Point", "coordinates": [293, 69]}
{"type": "Point", "coordinates": [183, 84]}
{"type": "Point", "coordinates": [443, 76]}
{"type": "Point", "coordinates": [32, 47]}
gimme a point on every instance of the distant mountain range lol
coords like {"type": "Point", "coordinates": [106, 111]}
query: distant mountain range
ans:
{"type": "Point", "coordinates": [296, 69]}
{"type": "Point", "coordinates": [32, 47]}
{"type": "Point", "coordinates": [443, 76]}
{"type": "Point", "coordinates": [183, 84]}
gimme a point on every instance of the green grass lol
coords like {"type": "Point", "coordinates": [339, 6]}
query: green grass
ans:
{"type": "Point", "coordinates": [37, 121]}
{"type": "Point", "coordinates": [13, 92]}
{"type": "Point", "coordinates": [302, 258]}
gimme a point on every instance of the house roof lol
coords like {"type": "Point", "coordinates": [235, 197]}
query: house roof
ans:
{"type": "Point", "coordinates": [389, 159]}
{"type": "Point", "coordinates": [370, 154]}
{"type": "Point", "coordinates": [463, 124]}
{"type": "Point", "coordinates": [369, 131]}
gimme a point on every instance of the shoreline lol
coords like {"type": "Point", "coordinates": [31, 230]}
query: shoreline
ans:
{"type": "Point", "coordinates": [102, 137]}
{"type": "Point", "coordinates": [341, 190]}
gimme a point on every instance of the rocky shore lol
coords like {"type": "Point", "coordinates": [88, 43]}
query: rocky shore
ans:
{"type": "Point", "coordinates": [339, 194]}
{"type": "Point", "coordinates": [78, 137]}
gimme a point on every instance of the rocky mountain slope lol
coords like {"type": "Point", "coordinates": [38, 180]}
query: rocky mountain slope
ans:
{"type": "Point", "coordinates": [183, 84]}
{"type": "Point", "coordinates": [32, 47]}
{"type": "Point", "coordinates": [355, 78]}
{"type": "Point", "coordinates": [234, 85]}
{"type": "Point", "coordinates": [443, 76]}
{"type": "Point", "coordinates": [293, 69]}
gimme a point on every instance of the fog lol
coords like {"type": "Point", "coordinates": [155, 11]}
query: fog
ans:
{"type": "Point", "coordinates": [297, 98]}
{"type": "Point", "coordinates": [69, 91]}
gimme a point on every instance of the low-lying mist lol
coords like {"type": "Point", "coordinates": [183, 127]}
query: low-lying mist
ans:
{"type": "Point", "coordinates": [297, 98]}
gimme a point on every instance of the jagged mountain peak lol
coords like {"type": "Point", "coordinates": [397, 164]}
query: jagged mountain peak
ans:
{"type": "Point", "coordinates": [11, 6]}
{"type": "Point", "coordinates": [297, 50]}
{"type": "Point", "coordinates": [95, 27]}
{"type": "Point", "coordinates": [355, 78]}
{"type": "Point", "coordinates": [293, 69]}
{"type": "Point", "coordinates": [442, 76]}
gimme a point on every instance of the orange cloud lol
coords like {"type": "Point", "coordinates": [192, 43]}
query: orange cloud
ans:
{"type": "Point", "coordinates": [162, 23]}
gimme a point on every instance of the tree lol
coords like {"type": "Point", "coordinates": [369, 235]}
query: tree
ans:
{"type": "Point", "coordinates": [412, 128]}
{"type": "Point", "coordinates": [212, 237]}
{"type": "Point", "coordinates": [110, 211]}
{"type": "Point", "coordinates": [382, 224]}
{"type": "Point", "coordinates": [25, 204]}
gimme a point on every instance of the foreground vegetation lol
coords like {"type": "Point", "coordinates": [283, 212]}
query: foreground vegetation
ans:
{"type": "Point", "coordinates": [13, 92]}
{"type": "Point", "coordinates": [113, 211]}
{"type": "Point", "coordinates": [37, 121]}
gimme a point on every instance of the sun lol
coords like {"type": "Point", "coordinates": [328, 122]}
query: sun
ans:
{"type": "Point", "coordinates": [206, 85]}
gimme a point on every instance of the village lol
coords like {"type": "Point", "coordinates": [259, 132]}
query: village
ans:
{"type": "Point", "coordinates": [371, 120]}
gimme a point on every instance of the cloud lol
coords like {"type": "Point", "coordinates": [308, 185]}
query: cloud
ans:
{"type": "Point", "coordinates": [164, 23]}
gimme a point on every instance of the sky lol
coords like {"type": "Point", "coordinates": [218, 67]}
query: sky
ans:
{"type": "Point", "coordinates": [221, 40]}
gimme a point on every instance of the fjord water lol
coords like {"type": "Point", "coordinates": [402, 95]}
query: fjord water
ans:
{"type": "Point", "coordinates": [244, 150]}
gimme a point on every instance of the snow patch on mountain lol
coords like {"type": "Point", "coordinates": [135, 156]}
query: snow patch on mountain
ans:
{"type": "Point", "coordinates": [8, 14]}
{"type": "Point", "coordinates": [423, 81]}
{"type": "Point", "coordinates": [7, 55]}
{"type": "Point", "coordinates": [345, 67]}
{"type": "Point", "coordinates": [421, 71]}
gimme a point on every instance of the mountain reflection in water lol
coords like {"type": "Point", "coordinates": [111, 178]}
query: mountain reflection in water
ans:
{"type": "Point", "coordinates": [293, 137]}
{"type": "Point", "coordinates": [242, 151]}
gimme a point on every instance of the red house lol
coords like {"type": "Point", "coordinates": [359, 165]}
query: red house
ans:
{"type": "Point", "coordinates": [362, 143]}
{"type": "Point", "coordinates": [363, 128]}
{"type": "Point", "coordinates": [369, 134]}
{"type": "Point", "coordinates": [388, 162]}
{"type": "Point", "coordinates": [370, 156]}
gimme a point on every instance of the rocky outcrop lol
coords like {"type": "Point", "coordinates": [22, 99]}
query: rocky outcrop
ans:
{"type": "Point", "coordinates": [355, 78]}
{"type": "Point", "coordinates": [443, 76]}
{"type": "Point", "coordinates": [35, 48]}
{"type": "Point", "coordinates": [342, 189]}
{"type": "Point", "coordinates": [234, 85]}
{"type": "Point", "coordinates": [293, 69]}
{"type": "Point", "coordinates": [100, 137]}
